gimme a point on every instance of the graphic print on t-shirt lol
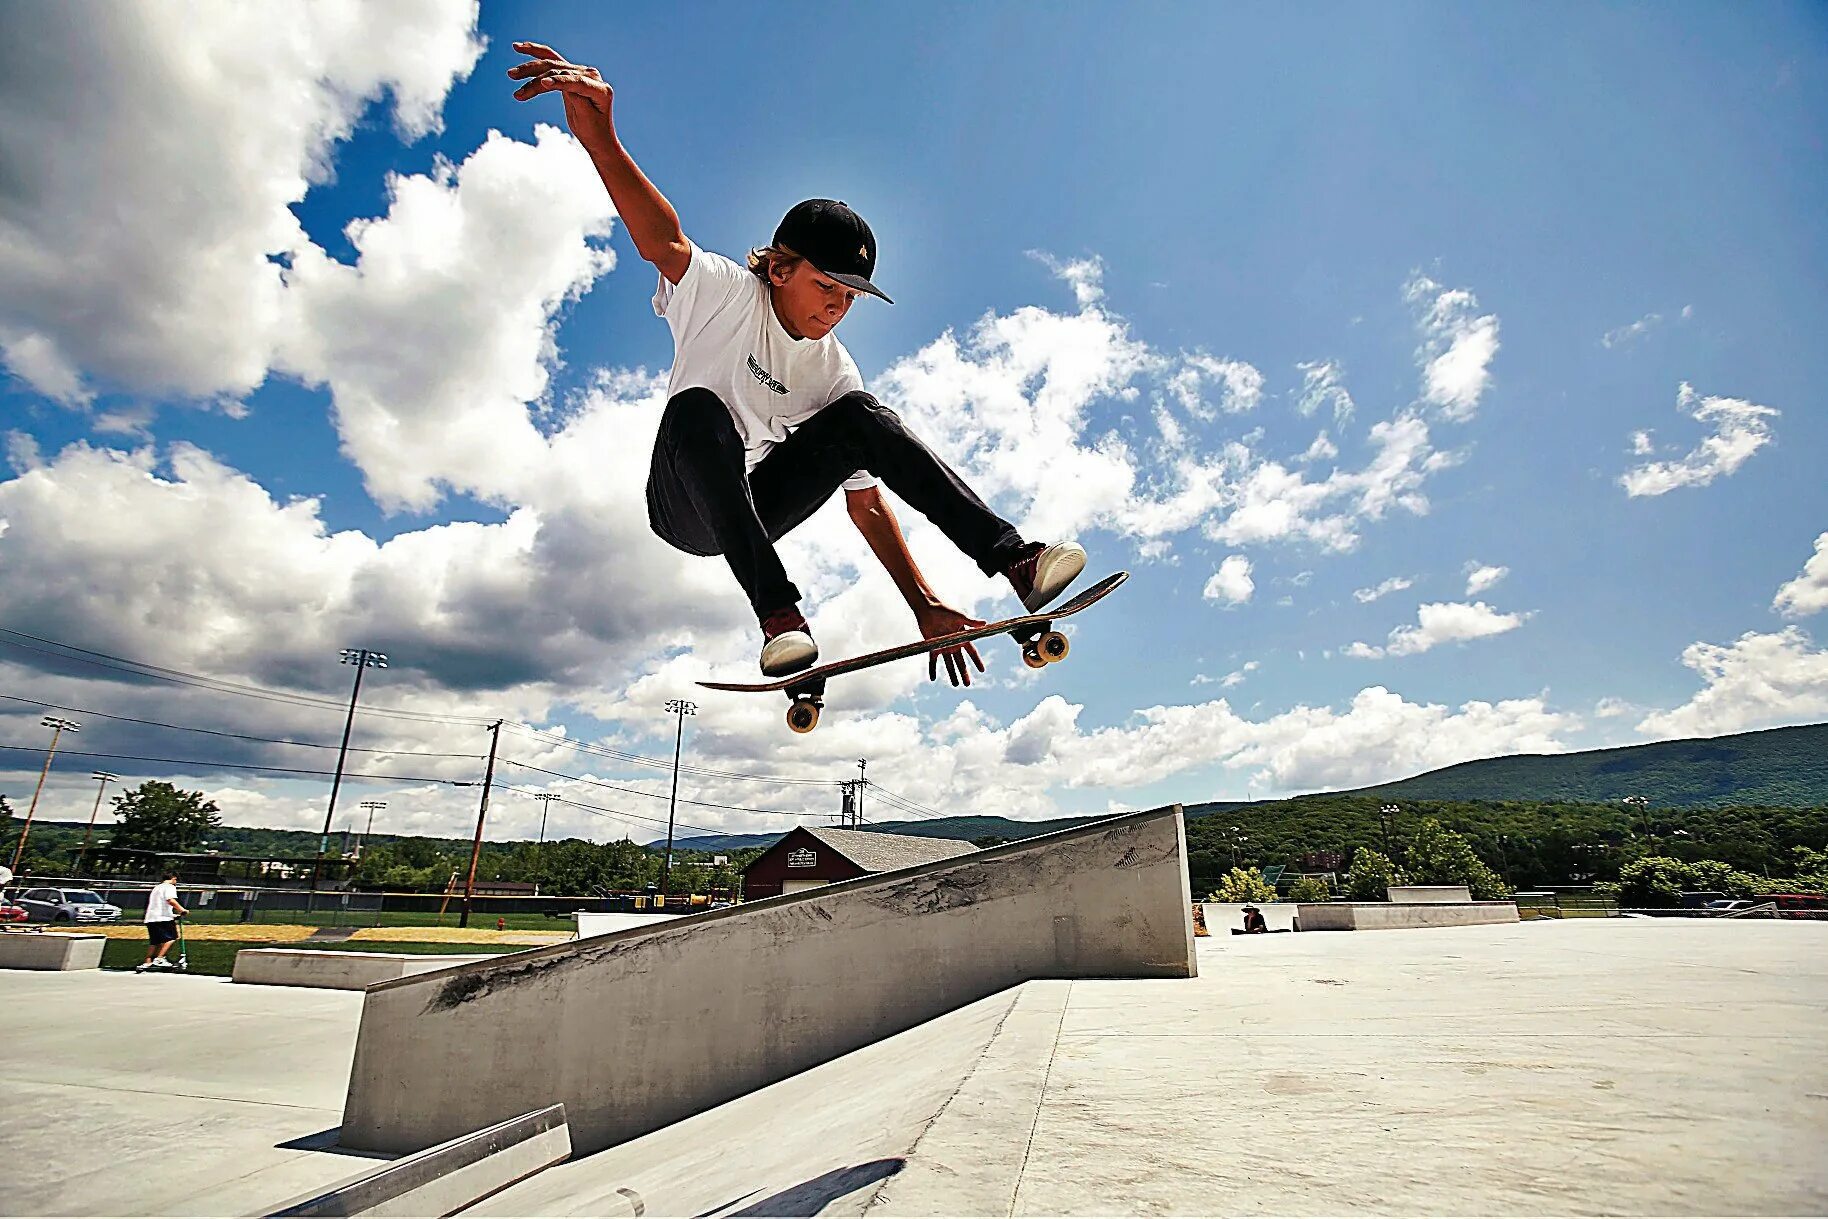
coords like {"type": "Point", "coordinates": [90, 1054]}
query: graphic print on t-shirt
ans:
{"type": "Point", "coordinates": [727, 339]}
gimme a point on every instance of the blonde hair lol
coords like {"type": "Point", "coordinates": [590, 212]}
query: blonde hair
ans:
{"type": "Point", "coordinates": [763, 259]}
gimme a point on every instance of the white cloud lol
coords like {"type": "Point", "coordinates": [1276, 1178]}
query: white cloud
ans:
{"type": "Point", "coordinates": [1322, 384]}
{"type": "Point", "coordinates": [1758, 681]}
{"type": "Point", "coordinates": [435, 340]}
{"type": "Point", "coordinates": [1240, 385]}
{"type": "Point", "coordinates": [1808, 593]}
{"type": "Point", "coordinates": [1638, 329]}
{"type": "Point", "coordinates": [1393, 585]}
{"type": "Point", "coordinates": [1480, 577]}
{"type": "Point", "coordinates": [1740, 430]}
{"type": "Point", "coordinates": [1084, 275]}
{"type": "Point", "coordinates": [1457, 346]}
{"type": "Point", "coordinates": [182, 299]}
{"type": "Point", "coordinates": [1231, 583]}
{"type": "Point", "coordinates": [1439, 623]}
{"type": "Point", "coordinates": [1612, 708]}
{"type": "Point", "coordinates": [1236, 676]}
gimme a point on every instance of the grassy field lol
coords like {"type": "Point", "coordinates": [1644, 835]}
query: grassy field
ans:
{"type": "Point", "coordinates": [216, 957]}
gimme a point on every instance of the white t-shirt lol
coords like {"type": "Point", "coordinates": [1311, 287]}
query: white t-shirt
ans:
{"type": "Point", "coordinates": [158, 903]}
{"type": "Point", "coordinates": [727, 339]}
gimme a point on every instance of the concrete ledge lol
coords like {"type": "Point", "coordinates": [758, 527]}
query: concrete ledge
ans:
{"type": "Point", "coordinates": [448, 1178]}
{"type": "Point", "coordinates": [50, 950]}
{"type": "Point", "coordinates": [1221, 917]}
{"type": "Point", "coordinates": [1416, 894]}
{"type": "Point", "coordinates": [636, 1030]}
{"type": "Point", "coordinates": [333, 970]}
{"type": "Point", "coordinates": [1384, 916]}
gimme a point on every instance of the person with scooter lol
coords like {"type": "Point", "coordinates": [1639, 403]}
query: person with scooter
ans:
{"type": "Point", "coordinates": [163, 911]}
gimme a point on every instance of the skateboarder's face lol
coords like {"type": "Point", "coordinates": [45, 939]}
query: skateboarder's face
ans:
{"type": "Point", "coordinates": [808, 302]}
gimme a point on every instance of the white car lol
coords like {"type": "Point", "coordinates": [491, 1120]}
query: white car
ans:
{"type": "Point", "coordinates": [66, 906]}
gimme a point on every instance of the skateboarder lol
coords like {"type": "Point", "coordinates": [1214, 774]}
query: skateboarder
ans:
{"type": "Point", "coordinates": [766, 413]}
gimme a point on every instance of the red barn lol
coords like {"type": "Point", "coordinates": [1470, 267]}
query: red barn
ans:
{"type": "Point", "coordinates": [806, 858]}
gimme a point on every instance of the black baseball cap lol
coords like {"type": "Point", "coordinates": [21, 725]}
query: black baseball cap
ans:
{"type": "Point", "coordinates": [826, 233]}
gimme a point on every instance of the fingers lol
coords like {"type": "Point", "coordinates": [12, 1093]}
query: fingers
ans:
{"type": "Point", "coordinates": [539, 50]}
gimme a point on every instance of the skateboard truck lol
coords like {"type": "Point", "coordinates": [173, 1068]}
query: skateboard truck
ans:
{"type": "Point", "coordinates": [803, 715]}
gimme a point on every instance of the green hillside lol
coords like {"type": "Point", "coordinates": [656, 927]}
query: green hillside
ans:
{"type": "Point", "coordinates": [1785, 767]}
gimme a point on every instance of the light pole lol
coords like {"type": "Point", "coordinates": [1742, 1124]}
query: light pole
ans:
{"type": "Point", "coordinates": [1504, 857]}
{"type": "Point", "coordinates": [681, 708]}
{"type": "Point", "coordinates": [1642, 804]}
{"type": "Point", "coordinates": [362, 659]}
{"type": "Point", "coordinates": [1384, 814]}
{"type": "Point", "coordinates": [371, 806]}
{"type": "Point", "coordinates": [106, 778]}
{"type": "Point", "coordinates": [1235, 830]}
{"type": "Point", "coordinates": [58, 727]}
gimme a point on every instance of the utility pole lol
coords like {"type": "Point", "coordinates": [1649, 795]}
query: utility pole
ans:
{"type": "Point", "coordinates": [58, 727]}
{"type": "Point", "coordinates": [488, 780]}
{"type": "Point", "coordinates": [106, 778]}
{"type": "Point", "coordinates": [857, 805]}
{"type": "Point", "coordinates": [362, 659]}
{"type": "Point", "coordinates": [371, 806]}
{"type": "Point", "coordinates": [681, 708]}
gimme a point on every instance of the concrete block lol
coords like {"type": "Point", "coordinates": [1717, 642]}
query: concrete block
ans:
{"type": "Point", "coordinates": [636, 1030]}
{"type": "Point", "coordinates": [1384, 916]}
{"type": "Point", "coordinates": [333, 970]}
{"type": "Point", "coordinates": [1414, 894]}
{"type": "Point", "coordinates": [50, 950]}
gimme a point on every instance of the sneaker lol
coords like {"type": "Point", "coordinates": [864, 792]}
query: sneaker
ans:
{"type": "Point", "coordinates": [142, 967]}
{"type": "Point", "coordinates": [161, 963]}
{"type": "Point", "coordinates": [1041, 573]}
{"type": "Point", "coordinates": [787, 643]}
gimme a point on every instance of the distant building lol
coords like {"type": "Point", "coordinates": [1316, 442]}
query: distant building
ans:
{"type": "Point", "coordinates": [807, 858]}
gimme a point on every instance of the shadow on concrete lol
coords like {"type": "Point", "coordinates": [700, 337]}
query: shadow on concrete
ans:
{"type": "Point", "coordinates": [326, 1140]}
{"type": "Point", "coordinates": [811, 1197]}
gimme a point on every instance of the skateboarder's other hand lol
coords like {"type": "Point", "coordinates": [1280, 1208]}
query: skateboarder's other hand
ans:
{"type": "Point", "coordinates": [583, 88]}
{"type": "Point", "coordinates": [937, 620]}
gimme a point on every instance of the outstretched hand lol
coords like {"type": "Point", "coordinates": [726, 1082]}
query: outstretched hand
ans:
{"type": "Point", "coordinates": [587, 95]}
{"type": "Point", "coordinates": [937, 620]}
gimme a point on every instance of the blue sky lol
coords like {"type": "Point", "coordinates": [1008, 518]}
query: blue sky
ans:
{"type": "Point", "coordinates": [1564, 214]}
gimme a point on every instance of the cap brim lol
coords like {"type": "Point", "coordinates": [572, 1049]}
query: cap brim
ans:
{"type": "Point", "coordinates": [857, 282]}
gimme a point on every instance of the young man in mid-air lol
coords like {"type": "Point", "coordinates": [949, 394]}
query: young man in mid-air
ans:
{"type": "Point", "coordinates": [766, 414]}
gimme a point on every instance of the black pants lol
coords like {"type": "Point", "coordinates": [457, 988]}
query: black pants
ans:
{"type": "Point", "coordinates": [699, 499]}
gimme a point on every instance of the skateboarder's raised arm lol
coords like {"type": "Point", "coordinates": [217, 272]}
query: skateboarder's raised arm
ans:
{"type": "Point", "coordinates": [652, 223]}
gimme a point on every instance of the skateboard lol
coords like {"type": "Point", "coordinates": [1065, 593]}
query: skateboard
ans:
{"type": "Point", "coordinates": [1041, 645]}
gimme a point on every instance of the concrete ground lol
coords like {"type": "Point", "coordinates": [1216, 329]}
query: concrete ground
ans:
{"type": "Point", "coordinates": [1592, 1066]}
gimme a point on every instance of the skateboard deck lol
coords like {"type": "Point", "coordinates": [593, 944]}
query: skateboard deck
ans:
{"type": "Point", "coordinates": [1041, 645]}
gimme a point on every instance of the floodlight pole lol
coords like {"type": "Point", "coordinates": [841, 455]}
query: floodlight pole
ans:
{"type": "Point", "coordinates": [106, 778]}
{"type": "Point", "coordinates": [361, 658]}
{"type": "Point", "coordinates": [680, 708]}
{"type": "Point", "coordinates": [371, 806]}
{"type": "Point", "coordinates": [57, 725]}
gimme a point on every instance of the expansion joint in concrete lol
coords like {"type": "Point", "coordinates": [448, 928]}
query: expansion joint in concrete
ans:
{"type": "Point", "coordinates": [1047, 1076]}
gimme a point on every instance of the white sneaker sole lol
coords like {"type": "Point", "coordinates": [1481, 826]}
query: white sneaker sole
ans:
{"type": "Point", "coordinates": [1059, 565]}
{"type": "Point", "coordinates": [787, 653]}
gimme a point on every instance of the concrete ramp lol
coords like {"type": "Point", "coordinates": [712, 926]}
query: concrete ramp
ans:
{"type": "Point", "coordinates": [640, 1029]}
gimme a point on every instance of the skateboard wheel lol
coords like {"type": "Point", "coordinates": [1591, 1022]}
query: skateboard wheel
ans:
{"type": "Point", "coordinates": [803, 717]}
{"type": "Point", "coordinates": [1032, 658]}
{"type": "Point", "coordinates": [1053, 647]}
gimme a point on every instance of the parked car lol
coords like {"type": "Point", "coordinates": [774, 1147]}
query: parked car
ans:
{"type": "Point", "coordinates": [10, 913]}
{"type": "Point", "coordinates": [66, 906]}
{"type": "Point", "coordinates": [1729, 905]}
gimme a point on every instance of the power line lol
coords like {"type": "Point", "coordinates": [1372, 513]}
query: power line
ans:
{"type": "Point", "coordinates": [614, 813]}
{"type": "Point", "coordinates": [907, 804]}
{"type": "Point", "coordinates": [140, 668]}
{"type": "Point", "coordinates": [685, 768]}
{"type": "Point", "coordinates": [290, 770]}
{"type": "Point", "coordinates": [559, 774]}
{"type": "Point", "coordinates": [240, 736]}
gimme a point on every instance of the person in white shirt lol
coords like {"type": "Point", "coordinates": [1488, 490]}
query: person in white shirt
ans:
{"type": "Point", "coordinates": [766, 413]}
{"type": "Point", "coordinates": [162, 914]}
